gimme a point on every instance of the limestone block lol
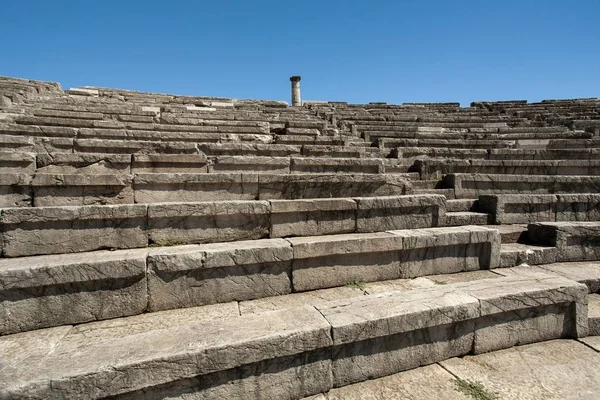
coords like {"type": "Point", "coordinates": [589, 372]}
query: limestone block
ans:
{"type": "Point", "coordinates": [513, 254]}
{"type": "Point", "coordinates": [519, 208]}
{"type": "Point", "coordinates": [249, 149]}
{"type": "Point", "coordinates": [436, 169]}
{"type": "Point", "coordinates": [165, 188]}
{"type": "Point", "coordinates": [400, 212]}
{"type": "Point", "coordinates": [187, 276]}
{"type": "Point", "coordinates": [388, 333]}
{"type": "Point", "coordinates": [329, 261]}
{"type": "Point", "coordinates": [524, 309]}
{"type": "Point", "coordinates": [15, 190]}
{"type": "Point", "coordinates": [46, 291]}
{"type": "Point", "coordinates": [447, 250]}
{"type": "Point", "coordinates": [469, 186]}
{"type": "Point", "coordinates": [81, 190]}
{"type": "Point", "coordinates": [575, 241]}
{"type": "Point", "coordinates": [287, 378]}
{"type": "Point", "coordinates": [578, 207]}
{"type": "Point", "coordinates": [57, 230]}
{"type": "Point", "coordinates": [311, 217]}
{"type": "Point", "coordinates": [336, 165]}
{"type": "Point", "coordinates": [83, 163]}
{"type": "Point", "coordinates": [133, 146]}
{"type": "Point", "coordinates": [278, 165]}
{"type": "Point", "coordinates": [52, 145]}
{"type": "Point", "coordinates": [15, 162]}
{"type": "Point", "coordinates": [169, 163]}
{"type": "Point", "coordinates": [306, 186]}
{"type": "Point", "coordinates": [204, 346]}
{"type": "Point", "coordinates": [207, 222]}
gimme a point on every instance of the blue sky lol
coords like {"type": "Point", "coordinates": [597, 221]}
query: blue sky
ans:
{"type": "Point", "coordinates": [356, 51]}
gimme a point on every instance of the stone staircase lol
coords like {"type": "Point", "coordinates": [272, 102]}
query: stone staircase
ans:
{"type": "Point", "coordinates": [161, 246]}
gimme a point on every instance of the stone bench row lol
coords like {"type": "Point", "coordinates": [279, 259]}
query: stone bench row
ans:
{"type": "Point", "coordinates": [289, 353]}
{"type": "Point", "coordinates": [436, 169]}
{"type": "Point", "coordinates": [388, 143]}
{"type": "Point", "coordinates": [44, 144]}
{"type": "Point", "coordinates": [411, 154]}
{"type": "Point", "coordinates": [102, 285]}
{"type": "Point", "coordinates": [91, 163]}
{"type": "Point", "coordinates": [374, 136]}
{"type": "Point", "coordinates": [471, 186]}
{"type": "Point", "coordinates": [526, 208]}
{"type": "Point", "coordinates": [69, 229]}
{"type": "Point", "coordinates": [24, 190]}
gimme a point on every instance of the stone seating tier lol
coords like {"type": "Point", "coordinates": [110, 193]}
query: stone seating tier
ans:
{"type": "Point", "coordinates": [328, 345]}
{"type": "Point", "coordinates": [99, 187]}
{"type": "Point", "coordinates": [249, 249]}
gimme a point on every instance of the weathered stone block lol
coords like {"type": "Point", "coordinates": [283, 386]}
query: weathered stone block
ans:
{"type": "Point", "coordinates": [321, 262]}
{"type": "Point", "coordinates": [306, 186]}
{"type": "Point", "coordinates": [187, 276]}
{"type": "Point", "coordinates": [519, 208]}
{"type": "Point", "coordinates": [447, 250]}
{"type": "Point", "coordinates": [56, 230]}
{"type": "Point", "coordinates": [385, 334]}
{"type": "Point", "coordinates": [70, 163]}
{"type": "Point", "coordinates": [575, 241]}
{"type": "Point", "coordinates": [103, 369]}
{"type": "Point", "coordinates": [46, 291]}
{"type": "Point", "coordinates": [81, 190]}
{"type": "Point", "coordinates": [278, 165]}
{"type": "Point", "coordinates": [400, 212]}
{"type": "Point", "coordinates": [207, 222]}
{"type": "Point", "coordinates": [15, 190]}
{"type": "Point", "coordinates": [166, 188]}
{"type": "Point", "coordinates": [311, 217]}
{"type": "Point", "coordinates": [169, 163]}
{"type": "Point", "coordinates": [578, 207]}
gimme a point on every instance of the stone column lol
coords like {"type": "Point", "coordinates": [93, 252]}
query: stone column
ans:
{"type": "Point", "coordinates": [296, 101]}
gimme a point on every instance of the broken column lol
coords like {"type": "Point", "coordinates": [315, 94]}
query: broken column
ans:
{"type": "Point", "coordinates": [296, 101]}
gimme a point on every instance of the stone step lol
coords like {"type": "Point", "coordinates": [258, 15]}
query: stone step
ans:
{"type": "Point", "coordinates": [594, 314]}
{"type": "Point", "coordinates": [426, 184]}
{"type": "Point", "coordinates": [515, 233]}
{"type": "Point", "coordinates": [574, 240]}
{"type": "Point", "coordinates": [449, 193]}
{"type": "Point", "coordinates": [444, 143]}
{"type": "Point", "coordinates": [515, 254]}
{"type": "Point", "coordinates": [546, 154]}
{"type": "Point", "coordinates": [470, 186]}
{"type": "Point", "coordinates": [30, 231]}
{"type": "Point", "coordinates": [526, 208]}
{"type": "Point", "coordinates": [416, 153]}
{"type": "Point", "coordinates": [110, 284]}
{"type": "Point", "coordinates": [533, 371]}
{"type": "Point", "coordinates": [457, 205]}
{"type": "Point", "coordinates": [157, 188]}
{"type": "Point", "coordinates": [460, 218]}
{"type": "Point", "coordinates": [329, 343]}
{"type": "Point", "coordinates": [435, 169]}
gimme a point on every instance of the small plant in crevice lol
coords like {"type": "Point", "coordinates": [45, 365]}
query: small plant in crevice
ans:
{"type": "Point", "coordinates": [474, 390]}
{"type": "Point", "coordinates": [357, 284]}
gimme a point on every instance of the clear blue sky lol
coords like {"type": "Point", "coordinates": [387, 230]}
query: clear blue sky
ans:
{"type": "Point", "coordinates": [356, 51]}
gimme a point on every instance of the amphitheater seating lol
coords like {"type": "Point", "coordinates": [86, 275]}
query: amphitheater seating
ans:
{"type": "Point", "coordinates": [163, 246]}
